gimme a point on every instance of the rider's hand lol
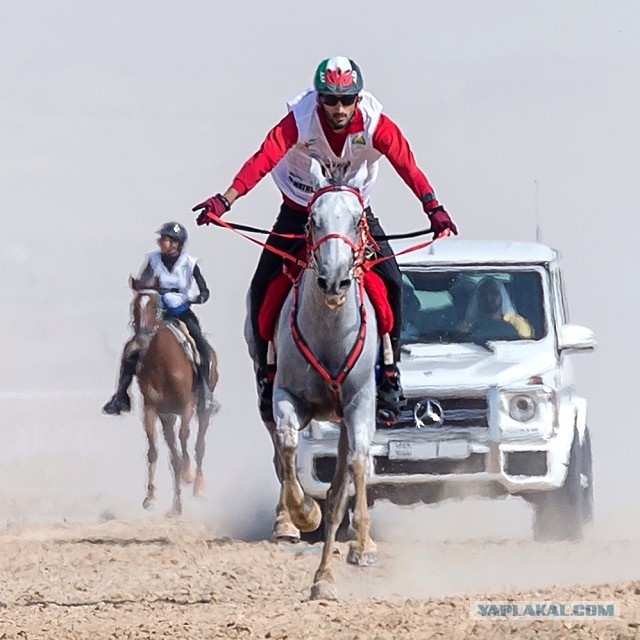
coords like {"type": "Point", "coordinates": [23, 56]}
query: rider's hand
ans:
{"type": "Point", "coordinates": [202, 297]}
{"type": "Point", "coordinates": [217, 205]}
{"type": "Point", "coordinates": [441, 224]}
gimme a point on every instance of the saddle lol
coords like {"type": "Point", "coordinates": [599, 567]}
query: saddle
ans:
{"type": "Point", "coordinates": [281, 284]}
{"type": "Point", "coordinates": [180, 331]}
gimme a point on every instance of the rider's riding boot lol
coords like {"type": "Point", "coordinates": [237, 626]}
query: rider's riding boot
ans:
{"type": "Point", "coordinates": [265, 376]}
{"type": "Point", "coordinates": [120, 401]}
{"type": "Point", "coordinates": [205, 395]}
{"type": "Point", "coordinates": [391, 398]}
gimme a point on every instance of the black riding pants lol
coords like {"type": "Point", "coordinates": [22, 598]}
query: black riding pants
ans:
{"type": "Point", "coordinates": [270, 264]}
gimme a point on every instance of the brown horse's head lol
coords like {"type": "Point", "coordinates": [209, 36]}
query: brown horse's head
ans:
{"type": "Point", "coordinates": [145, 308]}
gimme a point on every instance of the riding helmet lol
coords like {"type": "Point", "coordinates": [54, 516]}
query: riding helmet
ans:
{"type": "Point", "coordinates": [338, 75]}
{"type": "Point", "coordinates": [174, 230]}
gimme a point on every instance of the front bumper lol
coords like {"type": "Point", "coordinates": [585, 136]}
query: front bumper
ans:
{"type": "Point", "coordinates": [427, 465]}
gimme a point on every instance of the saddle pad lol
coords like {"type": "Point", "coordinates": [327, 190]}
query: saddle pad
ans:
{"type": "Point", "coordinates": [280, 286]}
{"type": "Point", "coordinates": [180, 331]}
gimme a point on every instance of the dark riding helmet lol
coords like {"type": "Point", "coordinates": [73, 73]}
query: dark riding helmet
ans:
{"type": "Point", "coordinates": [174, 230]}
{"type": "Point", "coordinates": [338, 75]}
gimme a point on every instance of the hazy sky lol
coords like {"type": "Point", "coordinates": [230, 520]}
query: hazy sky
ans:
{"type": "Point", "coordinates": [117, 116]}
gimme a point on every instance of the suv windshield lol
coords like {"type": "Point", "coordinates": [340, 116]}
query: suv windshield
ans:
{"type": "Point", "coordinates": [472, 305]}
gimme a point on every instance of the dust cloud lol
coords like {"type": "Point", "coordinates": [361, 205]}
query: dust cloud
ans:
{"type": "Point", "coordinates": [116, 118]}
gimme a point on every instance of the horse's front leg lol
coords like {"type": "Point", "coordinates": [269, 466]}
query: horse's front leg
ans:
{"type": "Point", "coordinates": [168, 423]}
{"type": "Point", "coordinates": [360, 424]}
{"type": "Point", "coordinates": [186, 473]}
{"type": "Point", "coordinates": [283, 528]}
{"type": "Point", "coordinates": [203, 424]}
{"type": "Point", "coordinates": [304, 511]}
{"type": "Point", "coordinates": [323, 587]}
{"type": "Point", "coordinates": [362, 551]}
{"type": "Point", "coordinates": [149, 421]}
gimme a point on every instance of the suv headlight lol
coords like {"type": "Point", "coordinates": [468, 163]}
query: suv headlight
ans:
{"type": "Point", "coordinates": [522, 407]}
{"type": "Point", "coordinates": [526, 412]}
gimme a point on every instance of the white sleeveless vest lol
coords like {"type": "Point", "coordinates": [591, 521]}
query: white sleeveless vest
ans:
{"type": "Point", "coordinates": [292, 174]}
{"type": "Point", "coordinates": [181, 278]}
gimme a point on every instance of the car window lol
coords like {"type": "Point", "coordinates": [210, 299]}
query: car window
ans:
{"type": "Point", "coordinates": [471, 305]}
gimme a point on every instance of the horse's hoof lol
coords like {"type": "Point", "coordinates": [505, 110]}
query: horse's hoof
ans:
{"type": "Point", "coordinates": [187, 476]}
{"type": "Point", "coordinates": [360, 558]}
{"type": "Point", "coordinates": [311, 520]}
{"type": "Point", "coordinates": [148, 502]}
{"type": "Point", "coordinates": [174, 512]}
{"type": "Point", "coordinates": [285, 532]}
{"type": "Point", "coordinates": [323, 590]}
{"type": "Point", "coordinates": [199, 487]}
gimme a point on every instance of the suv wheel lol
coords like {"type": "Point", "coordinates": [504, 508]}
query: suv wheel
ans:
{"type": "Point", "coordinates": [561, 514]}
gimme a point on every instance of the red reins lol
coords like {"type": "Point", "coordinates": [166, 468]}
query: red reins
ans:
{"type": "Point", "coordinates": [360, 264]}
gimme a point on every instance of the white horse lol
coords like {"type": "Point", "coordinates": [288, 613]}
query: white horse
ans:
{"type": "Point", "coordinates": [326, 343]}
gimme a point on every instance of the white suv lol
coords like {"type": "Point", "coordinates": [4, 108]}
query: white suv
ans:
{"type": "Point", "coordinates": [491, 404]}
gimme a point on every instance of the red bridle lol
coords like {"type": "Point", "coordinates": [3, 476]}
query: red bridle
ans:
{"type": "Point", "coordinates": [145, 323]}
{"type": "Point", "coordinates": [364, 237]}
{"type": "Point", "coordinates": [358, 248]}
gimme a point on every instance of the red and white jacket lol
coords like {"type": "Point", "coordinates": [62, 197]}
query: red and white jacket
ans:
{"type": "Point", "coordinates": [303, 133]}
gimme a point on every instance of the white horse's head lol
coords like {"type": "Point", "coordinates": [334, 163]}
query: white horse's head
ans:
{"type": "Point", "coordinates": [336, 231]}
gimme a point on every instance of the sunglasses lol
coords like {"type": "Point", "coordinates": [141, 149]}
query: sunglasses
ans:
{"type": "Point", "coordinates": [332, 100]}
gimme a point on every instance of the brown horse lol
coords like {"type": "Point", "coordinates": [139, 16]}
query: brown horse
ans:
{"type": "Point", "coordinates": [166, 378]}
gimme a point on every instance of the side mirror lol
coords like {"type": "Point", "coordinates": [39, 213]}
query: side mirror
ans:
{"type": "Point", "coordinates": [573, 337]}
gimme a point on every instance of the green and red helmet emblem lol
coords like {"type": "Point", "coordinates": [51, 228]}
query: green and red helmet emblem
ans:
{"type": "Point", "coordinates": [338, 75]}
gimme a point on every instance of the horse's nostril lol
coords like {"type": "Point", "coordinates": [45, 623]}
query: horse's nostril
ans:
{"type": "Point", "coordinates": [345, 284]}
{"type": "Point", "coordinates": [322, 283]}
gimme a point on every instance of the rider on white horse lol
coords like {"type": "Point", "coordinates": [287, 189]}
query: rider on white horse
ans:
{"type": "Point", "coordinates": [341, 125]}
{"type": "Point", "coordinates": [175, 271]}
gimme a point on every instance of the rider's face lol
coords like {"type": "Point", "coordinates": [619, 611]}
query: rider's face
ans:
{"type": "Point", "coordinates": [339, 115]}
{"type": "Point", "coordinates": [168, 246]}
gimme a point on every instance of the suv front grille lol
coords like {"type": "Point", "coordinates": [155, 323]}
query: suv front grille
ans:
{"type": "Point", "coordinates": [457, 412]}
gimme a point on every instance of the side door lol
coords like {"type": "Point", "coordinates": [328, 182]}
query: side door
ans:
{"type": "Point", "coordinates": [560, 310]}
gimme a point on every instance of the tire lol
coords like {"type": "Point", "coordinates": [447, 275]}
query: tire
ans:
{"type": "Point", "coordinates": [587, 478]}
{"type": "Point", "coordinates": [559, 514]}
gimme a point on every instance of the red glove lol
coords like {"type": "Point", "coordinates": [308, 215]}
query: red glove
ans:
{"type": "Point", "coordinates": [217, 205]}
{"type": "Point", "coordinates": [440, 221]}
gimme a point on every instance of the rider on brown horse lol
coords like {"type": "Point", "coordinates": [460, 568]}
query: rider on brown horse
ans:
{"type": "Point", "coordinates": [173, 271]}
{"type": "Point", "coordinates": [339, 124]}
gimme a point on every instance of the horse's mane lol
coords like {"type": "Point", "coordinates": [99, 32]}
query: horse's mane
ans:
{"type": "Point", "coordinates": [336, 173]}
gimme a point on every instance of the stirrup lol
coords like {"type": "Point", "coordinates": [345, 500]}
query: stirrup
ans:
{"type": "Point", "coordinates": [390, 399]}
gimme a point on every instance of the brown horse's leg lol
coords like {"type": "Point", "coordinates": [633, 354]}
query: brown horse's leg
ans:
{"type": "Point", "coordinates": [204, 418]}
{"type": "Point", "coordinates": [186, 473]}
{"type": "Point", "coordinates": [149, 420]}
{"type": "Point", "coordinates": [203, 424]}
{"type": "Point", "coordinates": [168, 422]}
{"type": "Point", "coordinates": [323, 587]}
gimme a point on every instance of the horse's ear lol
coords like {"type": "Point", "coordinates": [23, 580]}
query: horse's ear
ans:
{"type": "Point", "coordinates": [133, 283]}
{"type": "Point", "coordinates": [319, 179]}
{"type": "Point", "coordinates": [361, 176]}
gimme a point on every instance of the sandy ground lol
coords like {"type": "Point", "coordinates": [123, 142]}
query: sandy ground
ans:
{"type": "Point", "coordinates": [160, 578]}
{"type": "Point", "coordinates": [80, 558]}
